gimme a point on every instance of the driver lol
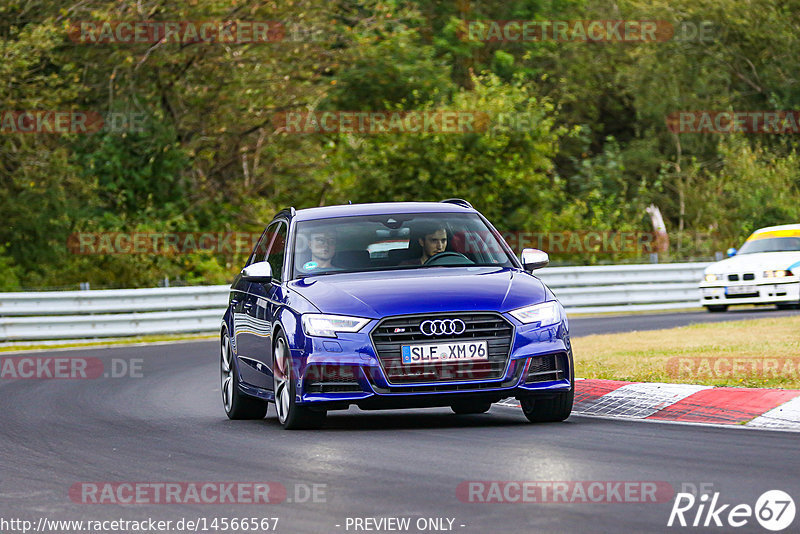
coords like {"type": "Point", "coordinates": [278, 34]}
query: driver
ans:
{"type": "Point", "coordinates": [433, 241]}
{"type": "Point", "coordinates": [322, 245]}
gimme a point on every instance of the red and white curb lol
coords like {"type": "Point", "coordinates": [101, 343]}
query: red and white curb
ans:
{"type": "Point", "coordinates": [688, 403]}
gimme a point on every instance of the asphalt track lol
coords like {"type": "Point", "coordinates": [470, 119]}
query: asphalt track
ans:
{"type": "Point", "coordinates": [167, 425]}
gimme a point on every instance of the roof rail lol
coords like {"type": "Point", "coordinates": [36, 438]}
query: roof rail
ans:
{"type": "Point", "coordinates": [459, 202]}
{"type": "Point", "coordinates": [289, 211]}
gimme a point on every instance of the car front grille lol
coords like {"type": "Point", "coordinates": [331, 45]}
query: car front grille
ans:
{"type": "Point", "coordinates": [515, 371]}
{"type": "Point", "coordinates": [394, 332]}
{"type": "Point", "coordinates": [742, 276]}
{"type": "Point", "coordinates": [743, 295]}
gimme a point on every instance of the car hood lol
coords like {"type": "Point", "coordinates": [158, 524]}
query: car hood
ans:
{"type": "Point", "coordinates": [435, 289]}
{"type": "Point", "coordinates": [759, 261]}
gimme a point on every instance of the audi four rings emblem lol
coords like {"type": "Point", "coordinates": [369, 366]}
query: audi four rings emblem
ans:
{"type": "Point", "coordinates": [439, 327]}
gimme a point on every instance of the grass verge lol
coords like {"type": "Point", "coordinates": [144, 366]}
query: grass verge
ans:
{"type": "Point", "coordinates": [754, 353]}
{"type": "Point", "coordinates": [103, 342]}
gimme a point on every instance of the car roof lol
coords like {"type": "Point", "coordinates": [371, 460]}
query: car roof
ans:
{"type": "Point", "coordinates": [773, 228]}
{"type": "Point", "coordinates": [379, 208]}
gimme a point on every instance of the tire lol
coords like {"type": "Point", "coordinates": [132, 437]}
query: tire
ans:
{"type": "Point", "coordinates": [548, 410]}
{"type": "Point", "coordinates": [551, 410]}
{"type": "Point", "coordinates": [717, 309]}
{"type": "Point", "coordinates": [291, 416]}
{"type": "Point", "coordinates": [788, 306]}
{"type": "Point", "coordinates": [237, 405]}
{"type": "Point", "coordinates": [470, 407]}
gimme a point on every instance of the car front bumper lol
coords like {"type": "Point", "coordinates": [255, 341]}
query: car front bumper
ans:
{"type": "Point", "coordinates": [754, 292]}
{"type": "Point", "coordinates": [347, 371]}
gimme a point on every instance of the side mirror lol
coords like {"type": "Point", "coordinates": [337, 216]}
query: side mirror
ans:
{"type": "Point", "coordinates": [732, 252]}
{"type": "Point", "coordinates": [533, 258]}
{"type": "Point", "coordinates": [260, 271]}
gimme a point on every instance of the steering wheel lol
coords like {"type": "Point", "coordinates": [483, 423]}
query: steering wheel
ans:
{"type": "Point", "coordinates": [455, 258]}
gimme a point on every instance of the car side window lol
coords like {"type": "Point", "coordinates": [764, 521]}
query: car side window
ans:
{"type": "Point", "coordinates": [260, 251]}
{"type": "Point", "coordinates": [276, 252]}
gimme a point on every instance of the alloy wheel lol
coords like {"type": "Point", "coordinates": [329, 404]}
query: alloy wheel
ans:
{"type": "Point", "coordinates": [226, 373]}
{"type": "Point", "coordinates": [282, 375]}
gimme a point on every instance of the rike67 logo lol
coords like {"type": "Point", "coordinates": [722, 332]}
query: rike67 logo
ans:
{"type": "Point", "coordinates": [774, 510]}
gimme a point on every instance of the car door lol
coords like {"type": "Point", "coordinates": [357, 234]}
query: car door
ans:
{"type": "Point", "coordinates": [251, 329]}
{"type": "Point", "coordinates": [270, 298]}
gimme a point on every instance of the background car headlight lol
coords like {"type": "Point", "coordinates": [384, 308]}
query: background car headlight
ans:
{"type": "Point", "coordinates": [713, 277]}
{"type": "Point", "coordinates": [545, 314]}
{"type": "Point", "coordinates": [317, 324]}
{"type": "Point", "coordinates": [781, 273]}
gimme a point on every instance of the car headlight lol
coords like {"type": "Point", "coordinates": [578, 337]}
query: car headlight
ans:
{"type": "Point", "coordinates": [781, 273]}
{"type": "Point", "coordinates": [545, 314]}
{"type": "Point", "coordinates": [713, 277]}
{"type": "Point", "coordinates": [317, 324]}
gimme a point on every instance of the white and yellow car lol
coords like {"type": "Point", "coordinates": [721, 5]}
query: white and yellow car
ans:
{"type": "Point", "coordinates": [766, 270]}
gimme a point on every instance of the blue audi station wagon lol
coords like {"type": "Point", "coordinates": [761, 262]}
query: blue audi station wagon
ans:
{"type": "Point", "coordinates": [387, 306]}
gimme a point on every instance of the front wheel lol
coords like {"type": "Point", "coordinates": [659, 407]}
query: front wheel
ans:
{"type": "Point", "coordinates": [552, 409]}
{"type": "Point", "coordinates": [543, 410]}
{"type": "Point", "coordinates": [290, 414]}
{"type": "Point", "coordinates": [717, 309]}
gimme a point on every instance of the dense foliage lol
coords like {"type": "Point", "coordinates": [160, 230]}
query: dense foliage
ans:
{"type": "Point", "coordinates": [595, 152]}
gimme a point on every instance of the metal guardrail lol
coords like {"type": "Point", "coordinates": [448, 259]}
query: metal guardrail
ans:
{"type": "Point", "coordinates": [625, 288]}
{"type": "Point", "coordinates": [174, 310]}
{"type": "Point", "coordinates": [111, 312]}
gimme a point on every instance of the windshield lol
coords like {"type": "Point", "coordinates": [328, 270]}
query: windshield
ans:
{"type": "Point", "coordinates": [395, 241]}
{"type": "Point", "coordinates": [773, 244]}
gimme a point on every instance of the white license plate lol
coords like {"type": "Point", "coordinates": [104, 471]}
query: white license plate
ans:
{"type": "Point", "coordinates": [740, 290]}
{"type": "Point", "coordinates": [445, 352]}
